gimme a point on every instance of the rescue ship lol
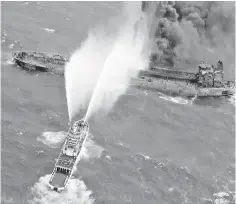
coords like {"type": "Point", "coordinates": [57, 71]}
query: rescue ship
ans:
{"type": "Point", "coordinates": [69, 155]}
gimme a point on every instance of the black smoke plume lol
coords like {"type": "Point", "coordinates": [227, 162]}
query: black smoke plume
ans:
{"type": "Point", "coordinates": [189, 32]}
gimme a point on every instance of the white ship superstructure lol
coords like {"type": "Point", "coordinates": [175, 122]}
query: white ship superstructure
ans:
{"type": "Point", "coordinates": [70, 153]}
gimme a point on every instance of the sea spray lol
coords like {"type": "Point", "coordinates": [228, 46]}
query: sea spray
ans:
{"type": "Point", "coordinates": [124, 62]}
{"type": "Point", "coordinates": [52, 139]}
{"type": "Point", "coordinates": [82, 71]}
{"type": "Point", "coordinates": [100, 71]}
{"type": "Point", "coordinates": [189, 32]}
{"type": "Point", "coordinates": [128, 56]}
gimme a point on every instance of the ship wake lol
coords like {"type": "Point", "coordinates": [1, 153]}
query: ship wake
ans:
{"type": "Point", "coordinates": [76, 192]}
{"type": "Point", "coordinates": [177, 99]}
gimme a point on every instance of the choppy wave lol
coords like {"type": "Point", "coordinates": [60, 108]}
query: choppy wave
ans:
{"type": "Point", "coordinates": [145, 156]}
{"type": "Point", "coordinates": [76, 192]}
{"type": "Point", "coordinates": [224, 197]}
{"type": "Point", "coordinates": [11, 46]}
{"type": "Point", "coordinates": [49, 30]}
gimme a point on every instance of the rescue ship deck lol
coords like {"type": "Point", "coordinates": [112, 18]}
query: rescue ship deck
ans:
{"type": "Point", "coordinates": [70, 153]}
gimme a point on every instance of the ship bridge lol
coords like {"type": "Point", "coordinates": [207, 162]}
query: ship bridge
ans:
{"type": "Point", "coordinates": [75, 136]}
{"type": "Point", "coordinates": [71, 144]}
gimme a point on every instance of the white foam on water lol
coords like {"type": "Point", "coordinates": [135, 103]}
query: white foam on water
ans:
{"type": "Point", "coordinates": [8, 62]}
{"type": "Point", "coordinates": [91, 149]}
{"type": "Point", "coordinates": [55, 140]}
{"type": "Point", "coordinates": [108, 157]}
{"type": "Point", "coordinates": [49, 30]}
{"type": "Point", "coordinates": [145, 156]}
{"type": "Point", "coordinates": [177, 99]}
{"type": "Point", "coordinates": [171, 189]}
{"type": "Point", "coordinates": [232, 99]}
{"type": "Point", "coordinates": [92, 13]}
{"type": "Point", "coordinates": [11, 46]}
{"type": "Point", "coordinates": [3, 39]}
{"type": "Point", "coordinates": [75, 193]}
{"type": "Point", "coordinates": [52, 139]}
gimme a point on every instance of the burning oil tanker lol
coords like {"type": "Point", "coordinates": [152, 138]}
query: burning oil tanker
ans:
{"type": "Point", "coordinates": [208, 81]}
{"type": "Point", "coordinates": [164, 19]}
{"type": "Point", "coordinates": [172, 45]}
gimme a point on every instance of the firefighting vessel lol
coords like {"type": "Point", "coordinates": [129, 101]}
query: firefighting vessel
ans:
{"type": "Point", "coordinates": [69, 155]}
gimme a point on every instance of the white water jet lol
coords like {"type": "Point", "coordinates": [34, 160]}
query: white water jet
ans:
{"type": "Point", "coordinates": [82, 72]}
{"type": "Point", "coordinates": [100, 71]}
{"type": "Point", "coordinates": [123, 63]}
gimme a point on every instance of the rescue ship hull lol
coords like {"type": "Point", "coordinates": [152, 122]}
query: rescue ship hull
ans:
{"type": "Point", "coordinates": [66, 162]}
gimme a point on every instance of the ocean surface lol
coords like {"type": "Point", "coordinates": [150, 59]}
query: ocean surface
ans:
{"type": "Point", "coordinates": [149, 149]}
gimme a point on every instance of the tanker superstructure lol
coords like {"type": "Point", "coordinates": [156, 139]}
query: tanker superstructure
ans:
{"type": "Point", "coordinates": [208, 81]}
{"type": "Point", "coordinates": [69, 155]}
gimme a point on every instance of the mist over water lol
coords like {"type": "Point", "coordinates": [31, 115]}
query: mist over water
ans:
{"type": "Point", "coordinates": [100, 70]}
{"type": "Point", "coordinates": [82, 71]}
